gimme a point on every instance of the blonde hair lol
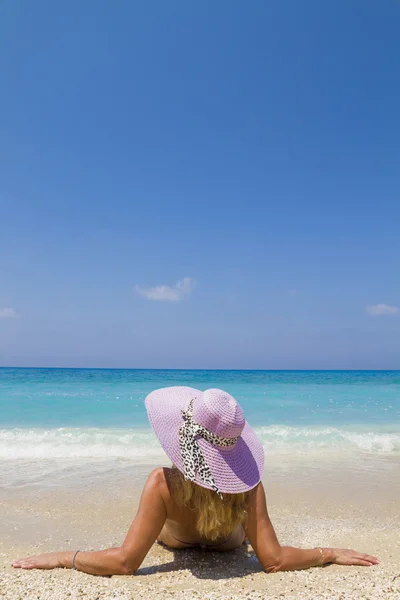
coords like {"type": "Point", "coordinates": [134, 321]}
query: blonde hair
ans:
{"type": "Point", "coordinates": [216, 518]}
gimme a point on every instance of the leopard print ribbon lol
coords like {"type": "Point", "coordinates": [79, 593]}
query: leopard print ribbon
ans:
{"type": "Point", "coordinates": [192, 456]}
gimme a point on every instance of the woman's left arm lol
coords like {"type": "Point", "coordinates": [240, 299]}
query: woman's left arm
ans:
{"type": "Point", "coordinates": [125, 560]}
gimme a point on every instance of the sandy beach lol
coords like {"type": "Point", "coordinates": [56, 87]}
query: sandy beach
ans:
{"type": "Point", "coordinates": [351, 505]}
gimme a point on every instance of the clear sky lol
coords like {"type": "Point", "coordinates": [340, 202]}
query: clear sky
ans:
{"type": "Point", "coordinates": [200, 184]}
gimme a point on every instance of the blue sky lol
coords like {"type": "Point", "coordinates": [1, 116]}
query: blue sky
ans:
{"type": "Point", "coordinates": [200, 184]}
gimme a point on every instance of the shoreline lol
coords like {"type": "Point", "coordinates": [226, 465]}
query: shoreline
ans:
{"type": "Point", "coordinates": [327, 504]}
{"type": "Point", "coordinates": [37, 473]}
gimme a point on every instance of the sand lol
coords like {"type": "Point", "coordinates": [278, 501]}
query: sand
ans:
{"type": "Point", "coordinates": [353, 505]}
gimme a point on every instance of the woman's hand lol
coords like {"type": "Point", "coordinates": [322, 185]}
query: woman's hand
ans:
{"type": "Point", "coordinates": [340, 556]}
{"type": "Point", "coordinates": [51, 560]}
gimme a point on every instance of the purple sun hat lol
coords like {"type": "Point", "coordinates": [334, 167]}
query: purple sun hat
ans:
{"type": "Point", "coordinates": [207, 438]}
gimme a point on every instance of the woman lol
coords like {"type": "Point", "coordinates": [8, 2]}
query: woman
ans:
{"type": "Point", "coordinates": [212, 497]}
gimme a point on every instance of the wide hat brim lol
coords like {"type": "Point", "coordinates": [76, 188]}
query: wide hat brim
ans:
{"type": "Point", "coordinates": [235, 469]}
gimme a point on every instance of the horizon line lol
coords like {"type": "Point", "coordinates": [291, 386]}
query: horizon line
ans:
{"type": "Point", "coordinates": [199, 369]}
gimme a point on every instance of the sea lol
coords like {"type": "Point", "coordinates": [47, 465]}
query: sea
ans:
{"type": "Point", "coordinates": [57, 421]}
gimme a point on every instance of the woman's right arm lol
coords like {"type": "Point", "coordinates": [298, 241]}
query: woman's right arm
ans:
{"type": "Point", "coordinates": [125, 560]}
{"type": "Point", "coordinates": [274, 557]}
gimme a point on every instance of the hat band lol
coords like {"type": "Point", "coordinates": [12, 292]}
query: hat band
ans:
{"type": "Point", "coordinates": [192, 457]}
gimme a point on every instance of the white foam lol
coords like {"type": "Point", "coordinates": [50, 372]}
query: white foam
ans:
{"type": "Point", "coordinates": [373, 442]}
{"type": "Point", "coordinates": [78, 443]}
{"type": "Point", "coordinates": [134, 444]}
{"type": "Point", "coordinates": [281, 438]}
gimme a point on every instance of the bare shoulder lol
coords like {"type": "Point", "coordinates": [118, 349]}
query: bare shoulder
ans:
{"type": "Point", "coordinates": [257, 502]}
{"type": "Point", "coordinates": [256, 492]}
{"type": "Point", "coordinates": [157, 481]}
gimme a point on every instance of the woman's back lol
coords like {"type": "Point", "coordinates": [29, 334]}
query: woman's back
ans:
{"type": "Point", "coordinates": [193, 518]}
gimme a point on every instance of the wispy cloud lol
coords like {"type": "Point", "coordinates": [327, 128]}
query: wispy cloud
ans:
{"type": "Point", "coordinates": [168, 293]}
{"type": "Point", "coordinates": [8, 313]}
{"type": "Point", "coordinates": [377, 310]}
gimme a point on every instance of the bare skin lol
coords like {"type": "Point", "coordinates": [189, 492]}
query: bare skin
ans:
{"type": "Point", "coordinates": [159, 518]}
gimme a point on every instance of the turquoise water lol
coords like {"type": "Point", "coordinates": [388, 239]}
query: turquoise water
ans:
{"type": "Point", "coordinates": [99, 413]}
